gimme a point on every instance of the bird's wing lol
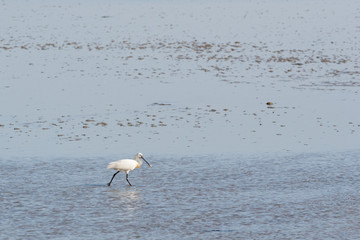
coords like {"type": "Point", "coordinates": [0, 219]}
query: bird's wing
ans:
{"type": "Point", "coordinates": [123, 165]}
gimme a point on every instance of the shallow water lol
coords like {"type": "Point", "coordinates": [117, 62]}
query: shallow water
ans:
{"type": "Point", "coordinates": [206, 197]}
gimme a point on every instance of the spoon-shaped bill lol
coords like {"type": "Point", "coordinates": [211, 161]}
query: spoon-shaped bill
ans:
{"type": "Point", "coordinates": [146, 161]}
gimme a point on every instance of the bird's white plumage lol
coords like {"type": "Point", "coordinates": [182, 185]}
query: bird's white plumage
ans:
{"type": "Point", "coordinates": [127, 165]}
{"type": "Point", "coordinates": [123, 165]}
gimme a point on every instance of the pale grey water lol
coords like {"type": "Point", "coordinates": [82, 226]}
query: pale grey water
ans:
{"type": "Point", "coordinates": [305, 196]}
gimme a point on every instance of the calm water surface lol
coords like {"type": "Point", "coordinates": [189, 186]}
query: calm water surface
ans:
{"type": "Point", "coordinates": [206, 197]}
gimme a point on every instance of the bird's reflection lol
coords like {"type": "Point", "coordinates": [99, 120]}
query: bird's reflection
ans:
{"type": "Point", "coordinates": [126, 199]}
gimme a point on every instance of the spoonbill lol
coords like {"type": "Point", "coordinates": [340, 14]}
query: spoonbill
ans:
{"type": "Point", "coordinates": [127, 165]}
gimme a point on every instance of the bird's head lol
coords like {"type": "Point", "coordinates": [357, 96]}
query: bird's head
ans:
{"type": "Point", "coordinates": [140, 156]}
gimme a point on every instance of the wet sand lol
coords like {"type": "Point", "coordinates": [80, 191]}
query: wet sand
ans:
{"type": "Point", "coordinates": [101, 78]}
{"type": "Point", "coordinates": [87, 80]}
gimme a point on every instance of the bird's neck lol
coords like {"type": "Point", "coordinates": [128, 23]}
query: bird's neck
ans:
{"type": "Point", "coordinates": [140, 162]}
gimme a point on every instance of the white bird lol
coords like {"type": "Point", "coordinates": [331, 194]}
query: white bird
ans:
{"type": "Point", "coordinates": [127, 165]}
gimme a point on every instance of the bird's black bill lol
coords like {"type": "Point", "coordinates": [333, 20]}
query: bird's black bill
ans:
{"type": "Point", "coordinates": [146, 161]}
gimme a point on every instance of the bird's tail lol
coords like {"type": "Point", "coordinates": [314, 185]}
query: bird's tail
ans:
{"type": "Point", "coordinates": [111, 165]}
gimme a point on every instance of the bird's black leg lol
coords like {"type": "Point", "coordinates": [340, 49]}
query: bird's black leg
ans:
{"type": "Point", "coordinates": [112, 178]}
{"type": "Point", "coordinates": [127, 175]}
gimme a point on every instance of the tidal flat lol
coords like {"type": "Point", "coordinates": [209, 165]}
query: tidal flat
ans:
{"type": "Point", "coordinates": [248, 111]}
